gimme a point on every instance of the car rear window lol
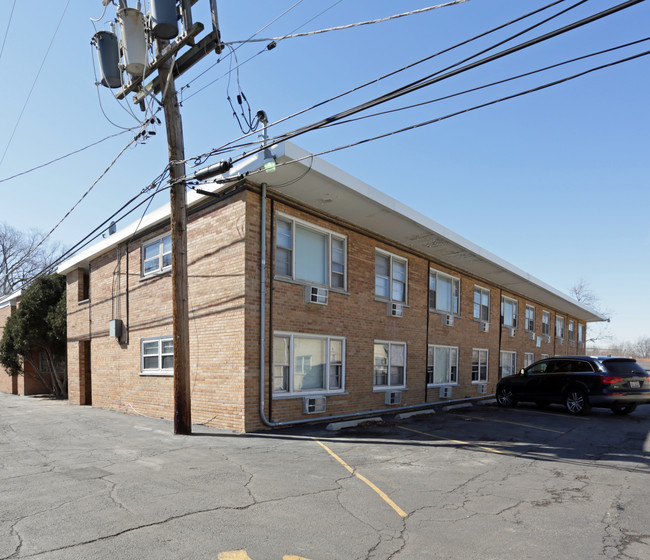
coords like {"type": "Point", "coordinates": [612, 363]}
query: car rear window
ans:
{"type": "Point", "coordinates": [624, 368]}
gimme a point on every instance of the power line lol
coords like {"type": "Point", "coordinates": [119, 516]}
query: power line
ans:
{"type": "Point", "coordinates": [351, 25]}
{"type": "Point", "coordinates": [20, 116]}
{"type": "Point", "coordinates": [11, 15]}
{"type": "Point", "coordinates": [67, 155]}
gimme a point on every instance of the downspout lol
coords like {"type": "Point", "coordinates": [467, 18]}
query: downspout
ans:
{"type": "Point", "coordinates": [263, 417]}
{"type": "Point", "coordinates": [426, 349]}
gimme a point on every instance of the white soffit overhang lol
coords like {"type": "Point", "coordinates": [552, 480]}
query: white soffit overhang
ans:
{"type": "Point", "coordinates": [316, 183]}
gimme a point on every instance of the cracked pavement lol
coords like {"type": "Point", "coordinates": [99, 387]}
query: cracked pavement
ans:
{"type": "Point", "coordinates": [79, 483]}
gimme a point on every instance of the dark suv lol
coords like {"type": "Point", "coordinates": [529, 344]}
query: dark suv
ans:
{"type": "Point", "coordinates": [579, 382]}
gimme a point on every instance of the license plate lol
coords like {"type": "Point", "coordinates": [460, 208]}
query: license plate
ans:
{"type": "Point", "coordinates": [635, 384]}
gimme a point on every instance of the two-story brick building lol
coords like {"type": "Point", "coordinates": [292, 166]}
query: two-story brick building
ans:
{"type": "Point", "coordinates": [365, 305]}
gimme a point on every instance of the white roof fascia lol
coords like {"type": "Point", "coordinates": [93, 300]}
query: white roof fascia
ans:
{"type": "Point", "coordinates": [11, 299]}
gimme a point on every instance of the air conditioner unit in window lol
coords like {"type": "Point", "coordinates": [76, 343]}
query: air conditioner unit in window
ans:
{"type": "Point", "coordinates": [511, 332]}
{"type": "Point", "coordinates": [560, 340]}
{"type": "Point", "coordinates": [572, 343]}
{"type": "Point", "coordinates": [445, 392]}
{"type": "Point", "coordinates": [394, 309]}
{"type": "Point", "coordinates": [313, 405]}
{"type": "Point", "coordinates": [547, 339]}
{"type": "Point", "coordinates": [393, 397]}
{"type": "Point", "coordinates": [447, 320]}
{"type": "Point", "coordinates": [481, 388]}
{"type": "Point", "coordinates": [484, 327]}
{"type": "Point", "coordinates": [316, 294]}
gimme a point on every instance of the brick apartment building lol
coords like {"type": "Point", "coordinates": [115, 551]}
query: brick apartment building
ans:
{"type": "Point", "coordinates": [366, 305]}
{"type": "Point", "coordinates": [28, 383]}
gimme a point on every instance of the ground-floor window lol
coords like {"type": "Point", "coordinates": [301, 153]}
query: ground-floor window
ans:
{"type": "Point", "coordinates": [479, 365]}
{"type": "Point", "coordinates": [442, 365]}
{"type": "Point", "coordinates": [157, 356]}
{"type": "Point", "coordinates": [529, 358]}
{"type": "Point", "coordinates": [389, 364]}
{"type": "Point", "coordinates": [508, 363]}
{"type": "Point", "coordinates": [307, 363]}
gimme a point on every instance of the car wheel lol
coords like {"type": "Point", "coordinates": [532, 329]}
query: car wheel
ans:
{"type": "Point", "coordinates": [576, 402]}
{"type": "Point", "coordinates": [622, 410]}
{"type": "Point", "coordinates": [505, 397]}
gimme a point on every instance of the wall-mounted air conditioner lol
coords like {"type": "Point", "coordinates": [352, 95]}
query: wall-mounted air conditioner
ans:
{"type": "Point", "coordinates": [481, 388]}
{"type": "Point", "coordinates": [511, 332]}
{"type": "Point", "coordinates": [484, 327]}
{"type": "Point", "coordinates": [313, 405]}
{"type": "Point", "coordinates": [316, 294]}
{"type": "Point", "coordinates": [394, 309]}
{"type": "Point", "coordinates": [393, 397]}
{"type": "Point", "coordinates": [531, 335]}
{"type": "Point", "coordinates": [447, 320]}
{"type": "Point", "coordinates": [445, 392]}
{"type": "Point", "coordinates": [547, 339]}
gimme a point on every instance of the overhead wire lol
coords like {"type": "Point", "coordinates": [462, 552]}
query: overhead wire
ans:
{"type": "Point", "coordinates": [403, 68]}
{"type": "Point", "coordinates": [4, 40]}
{"type": "Point", "coordinates": [31, 90]}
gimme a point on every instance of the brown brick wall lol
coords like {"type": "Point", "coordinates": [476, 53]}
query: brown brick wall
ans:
{"type": "Point", "coordinates": [224, 304]}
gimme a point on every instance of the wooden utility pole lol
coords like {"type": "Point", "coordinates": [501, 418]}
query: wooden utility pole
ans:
{"type": "Point", "coordinates": [174, 126]}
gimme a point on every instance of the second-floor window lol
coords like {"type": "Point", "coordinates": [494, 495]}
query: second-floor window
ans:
{"type": "Point", "coordinates": [572, 332]}
{"type": "Point", "coordinates": [508, 312]}
{"type": "Point", "coordinates": [307, 253]}
{"type": "Point", "coordinates": [546, 323]}
{"type": "Point", "coordinates": [581, 333]}
{"type": "Point", "coordinates": [157, 255]}
{"type": "Point", "coordinates": [559, 327]}
{"type": "Point", "coordinates": [390, 276]}
{"type": "Point", "coordinates": [481, 304]}
{"type": "Point", "coordinates": [444, 292]}
{"type": "Point", "coordinates": [530, 318]}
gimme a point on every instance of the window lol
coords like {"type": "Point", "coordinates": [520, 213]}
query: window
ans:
{"type": "Point", "coordinates": [157, 255]}
{"type": "Point", "coordinates": [307, 364]}
{"type": "Point", "coordinates": [310, 254]}
{"type": "Point", "coordinates": [481, 304]}
{"type": "Point", "coordinates": [529, 358]}
{"type": "Point", "coordinates": [389, 364]}
{"type": "Point", "coordinates": [559, 327]}
{"type": "Point", "coordinates": [390, 276]}
{"type": "Point", "coordinates": [44, 366]}
{"type": "Point", "coordinates": [581, 333]}
{"type": "Point", "coordinates": [544, 356]}
{"type": "Point", "coordinates": [572, 333]}
{"type": "Point", "coordinates": [546, 323]}
{"type": "Point", "coordinates": [508, 363]}
{"type": "Point", "coordinates": [157, 356]}
{"type": "Point", "coordinates": [530, 318]}
{"type": "Point", "coordinates": [508, 312]}
{"type": "Point", "coordinates": [479, 365]}
{"type": "Point", "coordinates": [444, 292]}
{"type": "Point", "coordinates": [442, 365]}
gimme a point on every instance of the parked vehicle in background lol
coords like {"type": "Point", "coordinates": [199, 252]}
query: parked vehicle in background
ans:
{"type": "Point", "coordinates": [579, 383]}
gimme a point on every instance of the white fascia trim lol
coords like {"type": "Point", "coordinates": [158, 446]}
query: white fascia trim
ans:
{"type": "Point", "coordinates": [11, 299]}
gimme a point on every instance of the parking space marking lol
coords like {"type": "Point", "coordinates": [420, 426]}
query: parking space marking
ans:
{"type": "Point", "coordinates": [488, 449]}
{"type": "Point", "coordinates": [515, 424]}
{"type": "Point", "coordinates": [555, 415]}
{"type": "Point", "coordinates": [381, 494]}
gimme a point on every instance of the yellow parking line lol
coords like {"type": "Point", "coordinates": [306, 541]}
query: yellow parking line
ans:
{"type": "Point", "coordinates": [233, 555]}
{"type": "Point", "coordinates": [517, 424]}
{"type": "Point", "coordinates": [488, 449]}
{"type": "Point", "coordinates": [381, 494]}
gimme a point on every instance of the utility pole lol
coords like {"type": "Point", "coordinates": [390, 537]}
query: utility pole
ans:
{"type": "Point", "coordinates": [132, 58]}
{"type": "Point", "coordinates": [180, 311]}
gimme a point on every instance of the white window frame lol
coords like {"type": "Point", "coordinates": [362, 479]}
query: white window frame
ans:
{"type": "Point", "coordinates": [391, 346]}
{"type": "Point", "coordinates": [512, 321]}
{"type": "Point", "coordinates": [392, 259]}
{"type": "Point", "coordinates": [483, 361]}
{"type": "Point", "coordinates": [507, 354]}
{"type": "Point", "coordinates": [529, 358]}
{"type": "Point", "coordinates": [546, 323]}
{"type": "Point", "coordinates": [530, 318]}
{"type": "Point", "coordinates": [451, 375]}
{"type": "Point", "coordinates": [454, 293]}
{"type": "Point", "coordinates": [571, 331]}
{"type": "Point", "coordinates": [161, 267]}
{"type": "Point", "coordinates": [168, 372]}
{"type": "Point", "coordinates": [544, 357]}
{"type": "Point", "coordinates": [478, 306]}
{"type": "Point", "coordinates": [290, 390]}
{"type": "Point", "coordinates": [559, 327]}
{"type": "Point", "coordinates": [331, 263]}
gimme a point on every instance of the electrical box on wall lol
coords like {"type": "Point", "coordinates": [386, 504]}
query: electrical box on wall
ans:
{"type": "Point", "coordinates": [115, 328]}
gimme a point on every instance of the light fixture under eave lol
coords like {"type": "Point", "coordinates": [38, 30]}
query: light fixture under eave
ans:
{"type": "Point", "coordinates": [269, 162]}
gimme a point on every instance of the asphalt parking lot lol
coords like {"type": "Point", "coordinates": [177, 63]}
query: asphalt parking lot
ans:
{"type": "Point", "coordinates": [472, 483]}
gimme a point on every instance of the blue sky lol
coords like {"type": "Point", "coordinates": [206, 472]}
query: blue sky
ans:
{"type": "Point", "coordinates": [555, 182]}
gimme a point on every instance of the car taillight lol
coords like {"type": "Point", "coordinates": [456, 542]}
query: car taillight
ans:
{"type": "Point", "coordinates": [610, 379]}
